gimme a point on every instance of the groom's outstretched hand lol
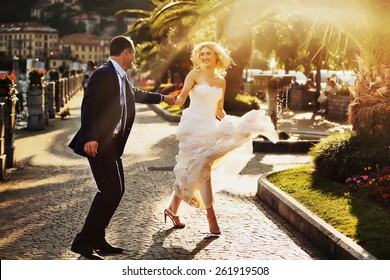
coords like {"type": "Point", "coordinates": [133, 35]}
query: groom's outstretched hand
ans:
{"type": "Point", "coordinates": [170, 99]}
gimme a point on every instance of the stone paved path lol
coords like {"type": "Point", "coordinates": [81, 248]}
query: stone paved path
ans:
{"type": "Point", "coordinates": [44, 201]}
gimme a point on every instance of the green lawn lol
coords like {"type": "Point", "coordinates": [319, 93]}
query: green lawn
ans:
{"type": "Point", "coordinates": [359, 218]}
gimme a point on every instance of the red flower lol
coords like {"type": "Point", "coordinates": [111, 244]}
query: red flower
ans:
{"type": "Point", "coordinates": [8, 79]}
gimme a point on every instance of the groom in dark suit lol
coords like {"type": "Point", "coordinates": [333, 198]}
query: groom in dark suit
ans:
{"type": "Point", "coordinates": [107, 115]}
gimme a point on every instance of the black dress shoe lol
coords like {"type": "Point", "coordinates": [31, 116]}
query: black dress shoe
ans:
{"type": "Point", "coordinates": [107, 248]}
{"type": "Point", "coordinates": [86, 251]}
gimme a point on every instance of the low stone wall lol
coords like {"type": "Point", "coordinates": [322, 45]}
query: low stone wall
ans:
{"type": "Point", "coordinates": [300, 99]}
{"type": "Point", "coordinates": [338, 106]}
{"type": "Point", "coordinates": [330, 241]}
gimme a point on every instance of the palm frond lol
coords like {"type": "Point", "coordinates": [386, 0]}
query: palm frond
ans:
{"type": "Point", "coordinates": [172, 6]}
{"type": "Point", "coordinates": [134, 12]}
{"type": "Point", "coordinates": [212, 8]}
{"type": "Point", "coordinates": [172, 19]}
{"type": "Point", "coordinates": [138, 23]}
{"type": "Point", "coordinates": [156, 2]}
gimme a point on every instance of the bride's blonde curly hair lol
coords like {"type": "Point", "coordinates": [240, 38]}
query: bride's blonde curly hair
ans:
{"type": "Point", "coordinates": [223, 57]}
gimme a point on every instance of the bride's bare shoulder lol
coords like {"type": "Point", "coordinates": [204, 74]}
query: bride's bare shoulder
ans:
{"type": "Point", "coordinates": [195, 72]}
{"type": "Point", "coordinates": [194, 76]}
{"type": "Point", "coordinates": [221, 82]}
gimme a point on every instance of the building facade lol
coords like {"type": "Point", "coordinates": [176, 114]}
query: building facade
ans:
{"type": "Point", "coordinates": [83, 47]}
{"type": "Point", "coordinates": [27, 40]}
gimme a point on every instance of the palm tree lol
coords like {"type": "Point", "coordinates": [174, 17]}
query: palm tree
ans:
{"type": "Point", "coordinates": [369, 114]}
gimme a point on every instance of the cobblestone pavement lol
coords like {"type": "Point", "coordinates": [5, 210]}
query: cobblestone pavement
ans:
{"type": "Point", "coordinates": [44, 201]}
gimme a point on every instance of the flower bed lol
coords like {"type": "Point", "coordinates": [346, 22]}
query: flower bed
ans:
{"type": "Point", "coordinates": [373, 183]}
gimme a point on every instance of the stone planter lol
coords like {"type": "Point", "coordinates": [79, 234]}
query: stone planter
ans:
{"type": "Point", "coordinates": [62, 90]}
{"type": "Point", "coordinates": [3, 156]}
{"type": "Point", "coordinates": [49, 100]}
{"type": "Point", "coordinates": [54, 78]}
{"type": "Point", "coordinates": [301, 99]}
{"type": "Point", "coordinates": [8, 97]}
{"type": "Point", "coordinates": [36, 81]}
{"type": "Point", "coordinates": [338, 106]}
{"type": "Point", "coordinates": [36, 108]}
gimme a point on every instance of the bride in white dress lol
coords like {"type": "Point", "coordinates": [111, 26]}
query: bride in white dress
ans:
{"type": "Point", "coordinates": [213, 146]}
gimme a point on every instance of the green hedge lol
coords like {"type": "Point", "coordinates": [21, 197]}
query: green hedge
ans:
{"type": "Point", "coordinates": [342, 155]}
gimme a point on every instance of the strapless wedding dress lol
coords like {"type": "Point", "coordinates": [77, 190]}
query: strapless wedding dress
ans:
{"type": "Point", "coordinates": [212, 152]}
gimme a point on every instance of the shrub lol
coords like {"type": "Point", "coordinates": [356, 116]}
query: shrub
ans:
{"type": "Point", "coordinates": [242, 103]}
{"type": "Point", "coordinates": [36, 73]}
{"type": "Point", "coordinates": [54, 75]}
{"type": "Point", "coordinates": [343, 154]}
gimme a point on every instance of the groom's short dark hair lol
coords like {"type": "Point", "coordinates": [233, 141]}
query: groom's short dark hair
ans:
{"type": "Point", "coordinates": [119, 43]}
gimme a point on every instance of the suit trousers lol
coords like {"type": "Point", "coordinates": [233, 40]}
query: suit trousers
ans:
{"type": "Point", "coordinates": [107, 170]}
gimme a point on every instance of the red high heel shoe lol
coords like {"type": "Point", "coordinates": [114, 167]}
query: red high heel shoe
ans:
{"type": "Point", "coordinates": [214, 229]}
{"type": "Point", "coordinates": [175, 219]}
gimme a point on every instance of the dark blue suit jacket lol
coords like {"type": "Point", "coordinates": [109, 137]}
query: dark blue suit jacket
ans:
{"type": "Point", "coordinates": [100, 111]}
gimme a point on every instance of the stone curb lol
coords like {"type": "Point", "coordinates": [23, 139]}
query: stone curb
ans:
{"type": "Point", "coordinates": [330, 241]}
{"type": "Point", "coordinates": [283, 146]}
{"type": "Point", "coordinates": [164, 114]}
